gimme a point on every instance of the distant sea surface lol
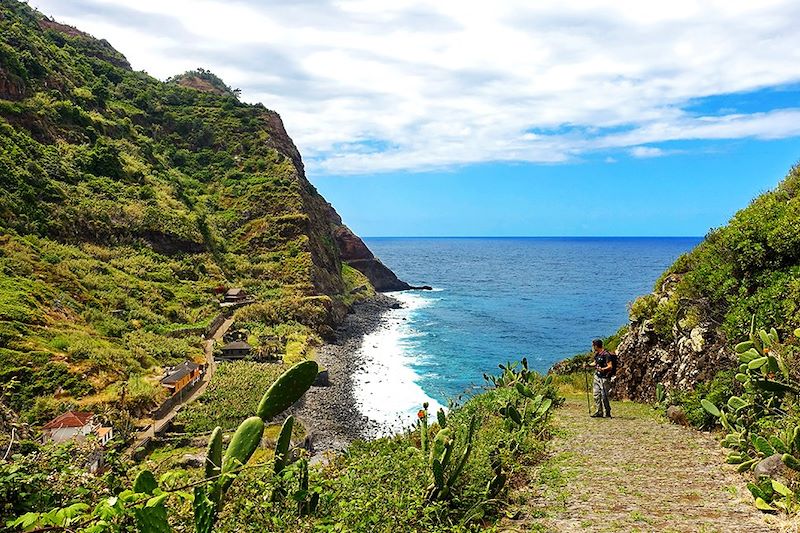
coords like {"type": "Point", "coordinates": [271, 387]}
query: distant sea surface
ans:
{"type": "Point", "coordinates": [498, 299]}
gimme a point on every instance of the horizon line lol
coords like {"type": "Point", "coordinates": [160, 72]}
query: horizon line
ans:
{"type": "Point", "coordinates": [532, 236]}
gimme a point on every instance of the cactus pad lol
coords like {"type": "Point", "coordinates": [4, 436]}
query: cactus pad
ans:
{"type": "Point", "coordinates": [282, 446]}
{"type": "Point", "coordinates": [243, 444]}
{"type": "Point", "coordinates": [287, 389]}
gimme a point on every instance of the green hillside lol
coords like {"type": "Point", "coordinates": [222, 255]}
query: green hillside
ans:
{"type": "Point", "coordinates": [750, 267]}
{"type": "Point", "coordinates": [744, 274]}
{"type": "Point", "coordinates": [124, 203]}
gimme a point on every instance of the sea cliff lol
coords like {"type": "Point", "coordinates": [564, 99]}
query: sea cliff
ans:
{"type": "Point", "coordinates": [128, 204]}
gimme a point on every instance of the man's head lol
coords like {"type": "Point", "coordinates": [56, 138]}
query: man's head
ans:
{"type": "Point", "coordinates": [597, 345]}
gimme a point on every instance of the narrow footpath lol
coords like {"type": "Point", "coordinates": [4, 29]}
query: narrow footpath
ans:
{"type": "Point", "coordinates": [634, 473]}
{"type": "Point", "coordinates": [157, 426]}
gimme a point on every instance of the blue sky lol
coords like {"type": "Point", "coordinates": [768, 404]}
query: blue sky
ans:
{"type": "Point", "coordinates": [554, 117]}
{"type": "Point", "coordinates": [683, 194]}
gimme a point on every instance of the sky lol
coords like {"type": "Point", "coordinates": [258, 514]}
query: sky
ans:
{"type": "Point", "coordinates": [507, 118]}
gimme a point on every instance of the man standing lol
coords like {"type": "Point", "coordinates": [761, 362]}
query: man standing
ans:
{"type": "Point", "coordinates": [605, 364]}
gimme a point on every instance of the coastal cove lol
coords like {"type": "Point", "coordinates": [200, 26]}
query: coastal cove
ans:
{"type": "Point", "coordinates": [195, 336]}
{"type": "Point", "coordinates": [496, 299]}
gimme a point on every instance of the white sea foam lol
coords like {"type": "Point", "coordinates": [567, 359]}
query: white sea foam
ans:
{"type": "Point", "coordinates": [387, 388]}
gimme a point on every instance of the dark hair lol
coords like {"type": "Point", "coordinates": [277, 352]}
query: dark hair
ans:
{"type": "Point", "coordinates": [597, 343]}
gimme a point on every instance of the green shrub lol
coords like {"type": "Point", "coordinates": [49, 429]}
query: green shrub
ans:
{"type": "Point", "coordinates": [717, 391]}
{"type": "Point", "coordinates": [643, 307]}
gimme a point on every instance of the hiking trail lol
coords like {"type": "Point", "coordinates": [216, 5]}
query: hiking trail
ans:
{"type": "Point", "coordinates": [634, 473]}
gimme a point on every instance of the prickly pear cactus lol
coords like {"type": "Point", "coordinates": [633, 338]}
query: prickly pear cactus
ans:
{"type": "Point", "coordinates": [213, 464]}
{"type": "Point", "coordinates": [498, 481]}
{"type": "Point", "coordinates": [464, 455]}
{"type": "Point", "coordinates": [205, 511]}
{"type": "Point", "coordinates": [282, 446]}
{"type": "Point", "coordinates": [423, 427]}
{"type": "Point", "coordinates": [307, 500]}
{"type": "Point", "coordinates": [769, 390]}
{"type": "Point", "coordinates": [441, 442]}
{"type": "Point", "coordinates": [243, 445]}
{"type": "Point", "coordinates": [287, 389]}
{"type": "Point", "coordinates": [441, 418]}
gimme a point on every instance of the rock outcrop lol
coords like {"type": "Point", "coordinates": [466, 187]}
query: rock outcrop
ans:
{"type": "Point", "coordinates": [690, 355]}
{"type": "Point", "coordinates": [741, 275]}
{"type": "Point", "coordinates": [355, 253]}
{"type": "Point", "coordinates": [12, 87]}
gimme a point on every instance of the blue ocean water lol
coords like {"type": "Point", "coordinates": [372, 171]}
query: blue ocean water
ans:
{"type": "Point", "coordinates": [499, 299]}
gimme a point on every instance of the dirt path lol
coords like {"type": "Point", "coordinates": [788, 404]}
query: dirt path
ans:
{"type": "Point", "coordinates": [158, 425]}
{"type": "Point", "coordinates": [634, 473]}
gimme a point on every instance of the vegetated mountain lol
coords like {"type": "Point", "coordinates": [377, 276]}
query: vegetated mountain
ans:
{"type": "Point", "coordinates": [125, 202]}
{"type": "Point", "coordinates": [749, 270]}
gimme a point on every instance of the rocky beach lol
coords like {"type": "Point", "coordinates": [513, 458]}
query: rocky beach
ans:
{"type": "Point", "coordinates": [330, 413]}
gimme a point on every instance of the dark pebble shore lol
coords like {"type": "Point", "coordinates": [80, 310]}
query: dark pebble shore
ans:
{"type": "Point", "coordinates": [330, 414]}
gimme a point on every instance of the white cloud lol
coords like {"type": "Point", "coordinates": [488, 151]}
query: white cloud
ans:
{"type": "Point", "coordinates": [646, 151]}
{"type": "Point", "coordinates": [369, 86]}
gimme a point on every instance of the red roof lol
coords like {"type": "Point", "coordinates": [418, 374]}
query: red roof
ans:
{"type": "Point", "coordinates": [70, 419]}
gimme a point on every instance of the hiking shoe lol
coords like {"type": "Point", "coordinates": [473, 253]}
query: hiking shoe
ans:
{"type": "Point", "coordinates": [597, 415]}
{"type": "Point", "coordinates": [608, 415]}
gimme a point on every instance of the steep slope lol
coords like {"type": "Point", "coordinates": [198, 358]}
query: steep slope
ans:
{"type": "Point", "coordinates": [748, 270]}
{"type": "Point", "coordinates": [126, 203]}
{"type": "Point", "coordinates": [356, 254]}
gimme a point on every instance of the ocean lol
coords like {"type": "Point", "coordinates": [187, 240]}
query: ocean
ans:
{"type": "Point", "coordinates": [497, 300]}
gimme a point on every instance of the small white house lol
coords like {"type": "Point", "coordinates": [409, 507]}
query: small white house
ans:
{"type": "Point", "coordinates": [76, 425]}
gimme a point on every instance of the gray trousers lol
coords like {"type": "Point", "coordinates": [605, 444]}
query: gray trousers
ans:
{"type": "Point", "coordinates": [600, 388]}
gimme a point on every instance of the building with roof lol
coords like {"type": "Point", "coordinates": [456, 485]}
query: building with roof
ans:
{"type": "Point", "coordinates": [181, 376]}
{"type": "Point", "coordinates": [236, 350]}
{"type": "Point", "coordinates": [235, 295]}
{"type": "Point", "coordinates": [76, 425]}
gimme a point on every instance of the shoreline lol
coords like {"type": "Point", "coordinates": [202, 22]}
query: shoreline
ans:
{"type": "Point", "coordinates": [330, 414]}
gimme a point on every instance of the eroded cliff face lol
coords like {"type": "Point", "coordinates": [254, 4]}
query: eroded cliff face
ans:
{"type": "Point", "coordinates": [326, 262]}
{"type": "Point", "coordinates": [355, 253]}
{"type": "Point", "coordinates": [693, 353]}
{"type": "Point", "coordinates": [326, 227]}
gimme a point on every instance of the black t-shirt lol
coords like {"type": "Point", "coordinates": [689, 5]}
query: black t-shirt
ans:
{"type": "Point", "coordinates": [601, 360]}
